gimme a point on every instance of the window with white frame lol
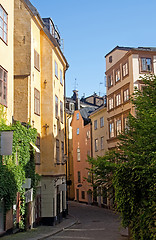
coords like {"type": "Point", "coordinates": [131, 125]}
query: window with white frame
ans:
{"type": "Point", "coordinates": [111, 129]}
{"type": "Point", "coordinates": [102, 143]}
{"type": "Point", "coordinates": [61, 79]}
{"type": "Point", "coordinates": [3, 24]}
{"type": "Point", "coordinates": [56, 69]}
{"type": "Point", "coordinates": [117, 75]}
{"type": "Point", "coordinates": [126, 95]}
{"type": "Point", "coordinates": [95, 124]}
{"type": "Point", "coordinates": [118, 127]}
{"type": "Point", "coordinates": [125, 69]}
{"type": "Point", "coordinates": [126, 127]}
{"type": "Point", "coordinates": [110, 103]}
{"type": "Point", "coordinates": [110, 80]}
{"type": "Point", "coordinates": [96, 145]}
{"type": "Point", "coordinates": [36, 101]}
{"type": "Point", "coordinates": [101, 121]}
{"type": "Point", "coordinates": [78, 155]}
{"type": "Point", "coordinates": [146, 64]}
{"type": "Point", "coordinates": [36, 60]}
{"type": "Point", "coordinates": [118, 99]}
{"type": "Point", "coordinates": [3, 86]}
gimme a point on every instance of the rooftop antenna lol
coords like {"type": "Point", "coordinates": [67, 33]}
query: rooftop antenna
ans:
{"type": "Point", "coordinates": [75, 84]}
{"type": "Point", "coordinates": [99, 87]}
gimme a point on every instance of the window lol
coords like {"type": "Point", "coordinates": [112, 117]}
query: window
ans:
{"type": "Point", "coordinates": [111, 130]}
{"type": "Point", "coordinates": [36, 60]}
{"type": "Point", "coordinates": [118, 127]}
{"type": "Point", "coordinates": [77, 131]}
{"type": "Point", "coordinates": [57, 151]}
{"type": "Point", "coordinates": [126, 95]}
{"type": "Point", "coordinates": [117, 75]}
{"type": "Point", "coordinates": [95, 124]}
{"type": "Point", "coordinates": [61, 111]}
{"type": "Point", "coordinates": [96, 145]}
{"type": "Point", "coordinates": [3, 86]}
{"type": "Point", "coordinates": [83, 194]}
{"type": "Point", "coordinates": [110, 104]}
{"type": "Point", "coordinates": [88, 134]}
{"type": "Point", "coordinates": [146, 65]}
{"type": "Point", "coordinates": [126, 127]}
{"type": "Point", "coordinates": [110, 59]}
{"type": "Point", "coordinates": [101, 121]}
{"type": "Point", "coordinates": [118, 99]}
{"type": "Point", "coordinates": [61, 80]}
{"type": "Point", "coordinates": [78, 154]}
{"type": "Point", "coordinates": [78, 176]}
{"type": "Point", "coordinates": [110, 80]}
{"type": "Point", "coordinates": [3, 24]}
{"type": "Point", "coordinates": [56, 69]}
{"type": "Point", "coordinates": [36, 101]}
{"type": "Point", "coordinates": [56, 106]}
{"type": "Point", "coordinates": [77, 116]}
{"type": "Point", "coordinates": [102, 143]}
{"type": "Point", "coordinates": [62, 148]}
{"type": "Point", "coordinates": [125, 69]}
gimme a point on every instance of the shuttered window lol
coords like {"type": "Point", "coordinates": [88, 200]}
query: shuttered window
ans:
{"type": "Point", "coordinates": [36, 102]}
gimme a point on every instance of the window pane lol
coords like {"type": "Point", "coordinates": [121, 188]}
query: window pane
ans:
{"type": "Point", "coordinates": [0, 88]}
{"type": "Point", "coordinates": [1, 23]}
{"type": "Point", "coordinates": [1, 12]}
{"type": "Point", "coordinates": [5, 76]}
{"type": "Point", "coordinates": [5, 27]}
{"type": "Point", "coordinates": [5, 17]}
{"type": "Point", "coordinates": [5, 37]}
{"type": "Point", "coordinates": [143, 64]}
{"type": "Point", "coordinates": [1, 74]}
{"type": "Point", "coordinates": [1, 33]}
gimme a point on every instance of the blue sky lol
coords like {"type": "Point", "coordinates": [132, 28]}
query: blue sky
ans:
{"type": "Point", "coordinates": [92, 28]}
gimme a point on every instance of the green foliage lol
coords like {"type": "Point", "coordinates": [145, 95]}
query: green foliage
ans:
{"type": "Point", "coordinates": [132, 165]}
{"type": "Point", "coordinates": [17, 167]}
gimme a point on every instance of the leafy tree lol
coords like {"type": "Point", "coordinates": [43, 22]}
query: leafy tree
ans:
{"type": "Point", "coordinates": [131, 167]}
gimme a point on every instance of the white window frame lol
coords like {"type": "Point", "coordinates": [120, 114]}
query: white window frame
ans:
{"type": "Point", "coordinates": [118, 127]}
{"type": "Point", "coordinates": [118, 99]}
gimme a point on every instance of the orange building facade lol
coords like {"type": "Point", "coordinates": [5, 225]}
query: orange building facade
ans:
{"type": "Point", "coordinates": [81, 126]}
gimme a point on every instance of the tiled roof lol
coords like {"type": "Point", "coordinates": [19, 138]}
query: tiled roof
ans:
{"type": "Point", "coordinates": [132, 48]}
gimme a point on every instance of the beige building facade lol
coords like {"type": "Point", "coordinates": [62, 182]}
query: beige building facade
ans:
{"type": "Point", "coordinates": [6, 82]}
{"type": "Point", "coordinates": [124, 67]}
{"type": "Point", "coordinates": [39, 76]}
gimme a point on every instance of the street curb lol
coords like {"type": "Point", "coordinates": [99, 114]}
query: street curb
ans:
{"type": "Point", "coordinates": [59, 230]}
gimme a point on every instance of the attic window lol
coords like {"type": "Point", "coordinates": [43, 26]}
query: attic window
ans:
{"type": "Point", "coordinates": [110, 59]}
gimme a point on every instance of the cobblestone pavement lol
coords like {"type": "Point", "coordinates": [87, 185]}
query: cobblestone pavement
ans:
{"type": "Point", "coordinates": [41, 232]}
{"type": "Point", "coordinates": [83, 222]}
{"type": "Point", "coordinates": [94, 224]}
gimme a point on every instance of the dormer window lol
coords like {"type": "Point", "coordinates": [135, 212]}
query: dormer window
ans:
{"type": "Point", "coordinates": [146, 65]}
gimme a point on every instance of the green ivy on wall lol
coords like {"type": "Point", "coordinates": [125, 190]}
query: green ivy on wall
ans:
{"type": "Point", "coordinates": [20, 165]}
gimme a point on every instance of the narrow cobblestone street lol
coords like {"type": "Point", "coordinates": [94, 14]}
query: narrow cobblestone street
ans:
{"type": "Point", "coordinates": [92, 223]}
{"type": "Point", "coordinates": [83, 222]}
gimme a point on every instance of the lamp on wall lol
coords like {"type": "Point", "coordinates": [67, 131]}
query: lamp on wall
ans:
{"type": "Point", "coordinates": [45, 83]}
{"type": "Point", "coordinates": [46, 126]}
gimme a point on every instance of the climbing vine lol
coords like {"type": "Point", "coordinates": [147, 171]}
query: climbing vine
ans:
{"type": "Point", "coordinates": [20, 165]}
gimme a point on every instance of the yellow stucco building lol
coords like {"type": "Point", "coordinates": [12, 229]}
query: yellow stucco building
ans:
{"type": "Point", "coordinates": [39, 75]}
